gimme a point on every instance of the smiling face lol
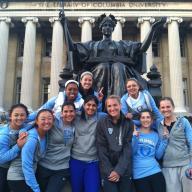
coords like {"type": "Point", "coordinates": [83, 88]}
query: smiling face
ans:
{"type": "Point", "coordinates": [44, 121]}
{"type": "Point", "coordinates": [146, 120]}
{"type": "Point", "coordinates": [17, 117]}
{"type": "Point", "coordinates": [68, 114]}
{"type": "Point", "coordinates": [113, 107]}
{"type": "Point", "coordinates": [90, 108]}
{"type": "Point", "coordinates": [166, 108]}
{"type": "Point", "coordinates": [86, 82]}
{"type": "Point", "coordinates": [71, 91]}
{"type": "Point", "coordinates": [132, 88]}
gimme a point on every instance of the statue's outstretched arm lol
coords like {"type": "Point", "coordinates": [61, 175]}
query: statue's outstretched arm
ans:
{"type": "Point", "coordinates": [67, 34]}
{"type": "Point", "coordinates": [148, 39]}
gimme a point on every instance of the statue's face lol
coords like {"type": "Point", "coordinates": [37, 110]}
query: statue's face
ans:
{"type": "Point", "coordinates": [107, 28]}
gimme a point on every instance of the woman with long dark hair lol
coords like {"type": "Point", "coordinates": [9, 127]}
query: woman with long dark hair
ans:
{"type": "Point", "coordinates": [21, 173]}
{"type": "Point", "coordinates": [53, 169]}
{"type": "Point", "coordinates": [84, 164]}
{"type": "Point", "coordinates": [11, 141]}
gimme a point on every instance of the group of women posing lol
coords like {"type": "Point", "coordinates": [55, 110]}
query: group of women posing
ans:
{"type": "Point", "coordinates": [71, 138]}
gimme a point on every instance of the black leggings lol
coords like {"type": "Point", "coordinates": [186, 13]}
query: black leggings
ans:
{"type": "Point", "coordinates": [51, 180]}
{"type": "Point", "coordinates": [3, 180]}
{"type": "Point", "coordinates": [124, 185]}
{"type": "Point", "coordinates": [18, 186]}
{"type": "Point", "coordinates": [152, 183]}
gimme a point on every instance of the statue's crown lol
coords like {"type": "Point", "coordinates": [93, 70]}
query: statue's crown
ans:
{"type": "Point", "coordinates": [103, 18]}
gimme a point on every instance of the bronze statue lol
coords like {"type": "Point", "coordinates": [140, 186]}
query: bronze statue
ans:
{"type": "Point", "coordinates": [112, 62]}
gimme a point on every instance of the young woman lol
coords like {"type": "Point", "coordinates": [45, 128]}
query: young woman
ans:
{"type": "Point", "coordinates": [53, 169]}
{"type": "Point", "coordinates": [136, 100]}
{"type": "Point", "coordinates": [10, 141]}
{"type": "Point", "coordinates": [71, 93]}
{"type": "Point", "coordinates": [114, 133]}
{"type": "Point", "coordinates": [86, 88]}
{"type": "Point", "coordinates": [21, 173]}
{"type": "Point", "coordinates": [147, 146]}
{"type": "Point", "coordinates": [177, 165]}
{"type": "Point", "coordinates": [84, 165]}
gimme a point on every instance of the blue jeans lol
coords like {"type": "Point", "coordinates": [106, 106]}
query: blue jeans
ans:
{"type": "Point", "coordinates": [85, 176]}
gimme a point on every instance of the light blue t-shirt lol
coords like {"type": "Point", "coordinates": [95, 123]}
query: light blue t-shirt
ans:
{"type": "Point", "coordinates": [138, 104]}
{"type": "Point", "coordinates": [146, 148]}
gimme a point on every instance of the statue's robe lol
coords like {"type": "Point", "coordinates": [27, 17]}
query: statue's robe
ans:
{"type": "Point", "coordinates": [111, 63]}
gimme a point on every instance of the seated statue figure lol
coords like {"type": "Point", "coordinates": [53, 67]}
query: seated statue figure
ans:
{"type": "Point", "coordinates": [112, 62]}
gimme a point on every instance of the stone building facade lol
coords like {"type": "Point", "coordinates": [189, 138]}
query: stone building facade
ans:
{"type": "Point", "coordinates": [33, 50]}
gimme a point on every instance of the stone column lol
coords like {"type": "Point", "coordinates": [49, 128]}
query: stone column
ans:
{"type": "Point", "coordinates": [4, 38]}
{"type": "Point", "coordinates": [175, 63]}
{"type": "Point", "coordinates": [165, 65]}
{"type": "Point", "coordinates": [86, 24]}
{"type": "Point", "coordinates": [37, 97]}
{"type": "Point", "coordinates": [10, 78]}
{"type": "Point", "coordinates": [145, 25]}
{"type": "Point", "coordinates": [117, 33]}
{"type": "Point", "coordinates": [28, 61]}
{"type": "Point", "coordinates": [189, 59]}
{"type": "Point", "coordinates": [57, 55]}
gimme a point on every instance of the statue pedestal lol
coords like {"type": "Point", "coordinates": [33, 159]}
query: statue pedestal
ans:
{"type": "Point", "coordinates": [154, 83]}
{"type": "Point", "coordinates": [65, 75]}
